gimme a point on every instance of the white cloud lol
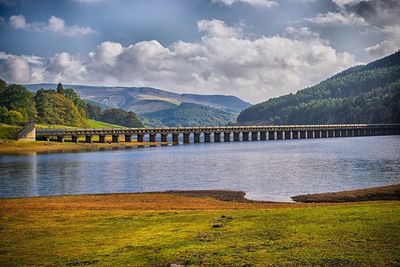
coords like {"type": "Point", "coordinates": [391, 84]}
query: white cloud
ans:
{"type": "Point", "coordinates": [387, 46]}
{"type": "Point", "coordinates": [218, 28]}
{"type": "Point", "coordinates": [54, 24]}
{"type": "Point", "coordinates": [57, 25]}
{"type": "Point", "coordinates": [224, 61]}
{"type": "Point", "coordinates": [18, 22]}
{"type": "Point", "coordinates": [257, 3]}
{"type": "Point", "coordinates": [337, 18]}
{"type": "Point", "coordinates": [21, 68]}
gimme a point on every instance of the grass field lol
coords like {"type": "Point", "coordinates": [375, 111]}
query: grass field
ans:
{"type": "Point", "coordinates": [164, 229]}
{"type": "Point", "coordinates": [100, 124]}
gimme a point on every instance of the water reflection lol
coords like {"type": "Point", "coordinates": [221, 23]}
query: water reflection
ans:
{"type": "Point", "coordinates": [265, 170]}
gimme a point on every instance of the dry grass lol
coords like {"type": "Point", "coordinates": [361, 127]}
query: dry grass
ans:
{"type": "Point", "coordinates": [20, 147]}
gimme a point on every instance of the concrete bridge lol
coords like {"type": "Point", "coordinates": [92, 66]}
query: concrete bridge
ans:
{"type": "Point", "coordinates": [221, 134]}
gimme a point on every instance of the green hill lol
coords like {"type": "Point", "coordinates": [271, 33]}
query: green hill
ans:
{"type": "Point", "coordinates": [361, 94]}
{"type": "Point", "coordinates": [188, 114]}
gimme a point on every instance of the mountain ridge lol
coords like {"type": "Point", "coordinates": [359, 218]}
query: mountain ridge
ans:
{"type": "Point", "coordinates": [127, 97]}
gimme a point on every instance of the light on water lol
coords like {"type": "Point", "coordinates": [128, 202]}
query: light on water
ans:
{"type": "Point", "coordinates": [265, 170]}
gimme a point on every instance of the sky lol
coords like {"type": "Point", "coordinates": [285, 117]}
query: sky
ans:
{"type": "Point", "coordinates": [253, 49]}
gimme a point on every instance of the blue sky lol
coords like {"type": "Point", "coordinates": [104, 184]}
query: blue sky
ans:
{"type": "Point", "coordinates": [254, 49]}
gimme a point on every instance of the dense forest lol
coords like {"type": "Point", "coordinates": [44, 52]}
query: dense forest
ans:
{"type": "Point", "coordinates": [54, 107]}
{"type": "Point", "coordinates": [362, 94]}
{"type": "Point", "coordinates": [114, 116]}
{"type": "Point", "coordinates": [190, 115]}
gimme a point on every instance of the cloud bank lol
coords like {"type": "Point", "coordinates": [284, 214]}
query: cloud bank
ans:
{"type": "Point", "coordinates": [224, 61]}
{"type": "Point", "coordinates": [54, 24]}
{"type": "Point", "coordinates": [376, 16]}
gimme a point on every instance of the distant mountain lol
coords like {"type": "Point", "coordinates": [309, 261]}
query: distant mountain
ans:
{"type": "Point", "coordinates": [158, 107]}
{"type": "Point", "coordinates": [190, 115]}
{"type": "Point", "coordinates": [145, 99]}
{"type": "Point", "coordinates": [362, 94]}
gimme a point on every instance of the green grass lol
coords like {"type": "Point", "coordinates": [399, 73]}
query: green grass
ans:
{"type": "Point", "coordinates": [8, 132]}
{"type": "Point", "coordinates": [90, 124]}
{"type": "Point", "coordinates": [100, 124]}
{"type": "Point", "coordinates": [343, 235]}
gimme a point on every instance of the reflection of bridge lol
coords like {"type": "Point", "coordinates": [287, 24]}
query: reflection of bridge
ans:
{"type": "Point", "coordinates": [229, 133]}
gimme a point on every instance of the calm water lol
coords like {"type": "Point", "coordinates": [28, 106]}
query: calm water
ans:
{"type": "Point", "coordinates": [266, 170]}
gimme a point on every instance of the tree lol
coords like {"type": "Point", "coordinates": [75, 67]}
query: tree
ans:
{"type": "Point", "coordinates": [79, 103]}
{"type": "Point", "coordinates": [60, 88]}
{"type": "Point", "coordinates": [18, 98]}
{"type": "Point", "coordinates": [54, 108]}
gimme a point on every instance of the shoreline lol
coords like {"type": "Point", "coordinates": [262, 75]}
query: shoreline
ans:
{"type": "Point", "coordinates": [381, 193]}
{"type": "Point", "coordinates": [388, 192]}
{"type": "Point", "coordinates": [8, 147]}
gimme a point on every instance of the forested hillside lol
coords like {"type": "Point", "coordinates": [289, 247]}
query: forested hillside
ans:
{"type": "Point", "coordinates": [188, 114]}
{"type": "Point", "coordinates": [362, 94]}
{"type": "Point", "coordinates": [55, 107]}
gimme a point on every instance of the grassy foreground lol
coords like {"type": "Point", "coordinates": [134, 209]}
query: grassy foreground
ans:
{"type": "Point", "coordinates": [164, 229]}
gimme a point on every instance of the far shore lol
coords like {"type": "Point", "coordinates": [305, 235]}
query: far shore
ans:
{"type": "Point", "coordinates": [26, 147]}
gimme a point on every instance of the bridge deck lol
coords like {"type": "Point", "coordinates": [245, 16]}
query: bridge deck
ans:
{"type": "Point", "coordinates": [266, 128]}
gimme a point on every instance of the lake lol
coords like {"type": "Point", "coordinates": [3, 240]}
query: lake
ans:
{"type": "Point", "coordinates": [265, 170]}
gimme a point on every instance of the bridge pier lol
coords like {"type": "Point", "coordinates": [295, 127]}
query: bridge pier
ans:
{"type": "Point", "coordinates": [271, 135]}
{"type": "Point", "coordinates": [152, 137]}
{"type": "Point", "coordinates": [236, 136]}
{"type": "Point", "coordinates": [337, 133]}
{"type": "Point", "coordinates": [279, 135]}
{"type": "Point", "coordinates": [302, 134]}
{"type": "Point", "coordinates": [207, 137]}
{"type": "Point", "coordinates": [102, 138]}
{"type": "Point", "coordinates": [245, 136]}
{"type": "Point", "coordinates": [74, 138]}
{"type": "Point", "coordinates": [88, 138]}
{"type": "Point", "coordinates": [115, 138]}
{"type": "Point", "coordinates": [217, 137]}
{"type": "Point", "coordinates": [175, 138]}
{"type": "Point", "coordinates": [186, 138]}
{"type": "Point", "coordinates": [343, 133]}
{"type": "Point", "coordinates": [324, 133]}
{"type": "Point", "coordinates": [227, 136]}
{"type": "Point", "coordinates": [263, 135]}
{"type": "Point", "coordinates": [128, 138]}
{"type": "Point", "coordinates": [295, 134]}
{"type": "Point", "coordinates": [60, 139]}
{"type": "Point", "coordinates": [310, 134]}
{"type": "Point", "coordinates": [317, 134]}
{"type": "Point", "coordinates": [164, 137]}
{"type": "Point", "coordinates": [288, 135]}
{"type": "Point", "coordinates": [254, 136]}
{"type": "Point", "coordinates": [140, 138]}
{"type": "Point", "coordinates": [196, 138]}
